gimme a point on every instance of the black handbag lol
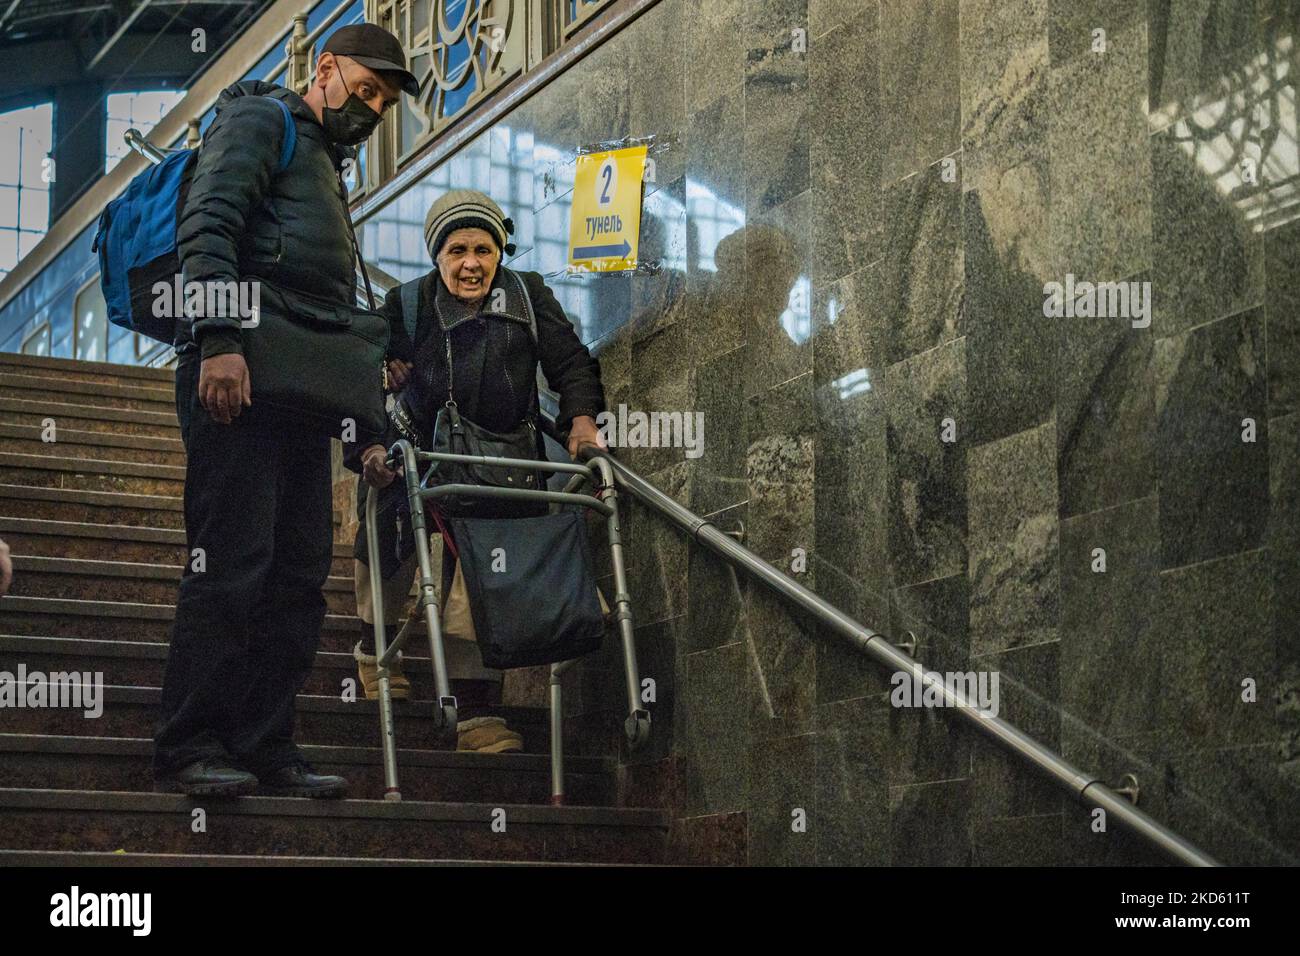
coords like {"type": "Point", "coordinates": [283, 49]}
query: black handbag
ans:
{"type": "Point", "coordinates": [319, 363]}
{"type": "Point", "coordinates": [532, 591]}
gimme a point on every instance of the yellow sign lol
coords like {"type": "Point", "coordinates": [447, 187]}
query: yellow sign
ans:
{"type": "Point", "coordinates": [605, 219]}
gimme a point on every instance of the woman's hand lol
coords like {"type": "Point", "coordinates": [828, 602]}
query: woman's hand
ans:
{"type": "Point", "coordinates": [583, 431]}
{"type": "Point", "coordinates": [374, 469]}
{"type": "Point", "coordinates": [399, 372]}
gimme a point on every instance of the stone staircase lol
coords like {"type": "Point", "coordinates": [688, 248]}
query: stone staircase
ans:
{"type": "Point", "coordinates": [96, 526]}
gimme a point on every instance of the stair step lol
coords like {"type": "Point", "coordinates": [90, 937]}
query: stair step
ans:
{"type": "Point", "coordinates": [72, 858]}
{"type": "Point", "coordinates": [132, 582]}
{"type": "Point", "coordinates": [92, 507]}
{"type": "Point", "coordinates": [119, 621]}
{"type": "Point", "coordinates": [41, 388]}
{"type": "Point", "coordinates": [133, 711]}
{"type": "Point", "coordinates": [81, 820]}
{"type": "Point", "coordinates": [83, 417]}
{"type": "Point", "coordinates": [84, 371]}
{"type": "Point", "coordinates": [142, 664]}
{"type": "Point", "coordinates": [77, 539]}
{"type": "Point", "coordinates": [115, 763]}
{"type": "Point", "coordinates": [78, 444]}
{"type": "Point", "coordinates": [54, 471]}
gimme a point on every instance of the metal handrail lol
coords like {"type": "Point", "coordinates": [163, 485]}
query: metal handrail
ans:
{"type": "Point", "coordinates": [1086, 788]}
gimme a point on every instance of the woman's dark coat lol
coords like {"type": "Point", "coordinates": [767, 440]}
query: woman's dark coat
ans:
{"type": "Point", "coordinates": [493, 378]}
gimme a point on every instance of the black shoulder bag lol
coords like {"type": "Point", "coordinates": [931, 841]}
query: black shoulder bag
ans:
{"type": "Point", "coordinates": [321, 363]}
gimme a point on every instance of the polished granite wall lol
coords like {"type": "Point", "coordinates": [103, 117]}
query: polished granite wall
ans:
{"type": "Point", "coordinates": [853, 243]}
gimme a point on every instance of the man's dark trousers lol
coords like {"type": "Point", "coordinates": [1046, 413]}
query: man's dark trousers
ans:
{"type": "Point", "coordinates": [259, 505]}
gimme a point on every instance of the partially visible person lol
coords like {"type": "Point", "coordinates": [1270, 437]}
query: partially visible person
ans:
{"type": "Point", "coordinates": [494, 382]}
{"type": "Point", "coordinates": [6, 568]}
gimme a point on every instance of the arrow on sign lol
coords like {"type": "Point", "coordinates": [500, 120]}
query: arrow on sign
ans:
{"type": "Point", "coordinates": [603, 252]}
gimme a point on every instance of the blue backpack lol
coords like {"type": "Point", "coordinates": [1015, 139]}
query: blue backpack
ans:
{"type": "Point", "coordinates": [136, 239]}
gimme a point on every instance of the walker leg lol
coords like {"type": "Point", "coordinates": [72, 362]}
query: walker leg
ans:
{"type": "Point", "coordinates": [445, 712]}
{"type": "Point", "coordinates": [557, 735]}
{"type": "Point", "coordinates": [637, 725]}
{"type": "Point", "coordinates": [387, 728]}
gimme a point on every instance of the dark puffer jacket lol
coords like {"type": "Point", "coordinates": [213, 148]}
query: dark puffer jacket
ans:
{"type": "Point", "coordinates": [242, 220]}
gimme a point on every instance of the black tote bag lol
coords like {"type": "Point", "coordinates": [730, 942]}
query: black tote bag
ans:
{"type": "Point", "coordinates": [532, 592]}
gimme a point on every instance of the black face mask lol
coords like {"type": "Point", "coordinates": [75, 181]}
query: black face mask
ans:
{"type": "Point", "coordinates": [352, 122]}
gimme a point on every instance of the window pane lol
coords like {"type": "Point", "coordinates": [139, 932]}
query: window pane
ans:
{"type": "Point", "coordinates": [38, 344]}
{"type": "Point", "coordinates": [142, 110]}
{"type": "Point", "coordinates": [8, 207]}
{"type": "Point", "coordinates": [90, 338]}
{"type": "Point", "coordinates": [8, 250]}
{"type": "Point", "coordinates": [27, 241]}
{"type": "Point", "coordinates": [24, 195]}
{"type": "Point", "coordinates": [34, 210]}
{"type": "Point", "coordinates": [8, 161]}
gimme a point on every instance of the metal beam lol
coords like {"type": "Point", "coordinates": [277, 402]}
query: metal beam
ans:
{"type": "Point", "coordinates": [119, 33]}
{"type": "Point", "coordinates": [9, 12]}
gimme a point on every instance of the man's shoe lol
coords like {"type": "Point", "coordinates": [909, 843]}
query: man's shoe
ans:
{"type": "Point", "coordinates": [488, 735]}
{"type": "Point", "coordinates": [211, 777]}
{"type": "Point", "coordinates": [301, 780]}
{"type": "Point", "coordinates": [368, 672]}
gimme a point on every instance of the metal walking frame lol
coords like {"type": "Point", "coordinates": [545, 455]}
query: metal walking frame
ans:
{"type": "Point", "coordinates": [599, 475]}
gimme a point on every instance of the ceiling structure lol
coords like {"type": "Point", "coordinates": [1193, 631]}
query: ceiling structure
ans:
{"type": "Point", "coordinates": [118, 43]}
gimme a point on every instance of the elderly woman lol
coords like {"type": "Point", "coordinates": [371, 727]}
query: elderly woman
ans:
{"type": "Point", "coordinates": [470, 308]}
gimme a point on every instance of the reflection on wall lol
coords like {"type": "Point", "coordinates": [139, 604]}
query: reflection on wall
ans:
{"type": "Point", "coordinates": [504, 162]}
{"type": "Point", "coordinates": [1244, 137]}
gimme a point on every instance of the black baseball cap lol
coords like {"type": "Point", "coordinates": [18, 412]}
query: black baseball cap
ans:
{"type": "Point", "coordinates": [373, 46]}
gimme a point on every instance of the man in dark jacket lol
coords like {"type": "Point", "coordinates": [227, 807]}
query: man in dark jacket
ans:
{"type": "Point", "coordinates": [258, 491]}
{"type": "Point", "coordinates": [471, 308]}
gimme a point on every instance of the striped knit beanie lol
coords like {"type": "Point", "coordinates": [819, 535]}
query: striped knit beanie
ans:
{"type": "Point", "coordinates": [466, 209]}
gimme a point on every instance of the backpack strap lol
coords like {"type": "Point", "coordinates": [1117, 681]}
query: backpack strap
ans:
{"type": "Point", "coordinates": [528, 301]}
{"type": "Point", "coordinates": [532, 332]}
{"type": "Point", "coordinates": [290, 140]}
{"type": "Point", "coordinates": [410, 294]}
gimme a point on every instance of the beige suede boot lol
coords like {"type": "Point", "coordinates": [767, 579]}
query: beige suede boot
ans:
{"type": "Point", "coordinates": [368, 672]}
{"type": "Point", "coordinates": [488, 735]}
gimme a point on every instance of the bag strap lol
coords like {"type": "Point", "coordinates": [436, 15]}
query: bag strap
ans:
{"type": "Point", "coordinates": [361, 263]}
{"type": "Point", "coordinates": [410, 295]}
{"type": "Point", "coordinates": [528, 302]}
{"type": "Point", "coordinates": [436, 513]}
{"type": "Point", "coordinates": [290, 139]}
{"type": "Point", "coordinates": [356, 249]}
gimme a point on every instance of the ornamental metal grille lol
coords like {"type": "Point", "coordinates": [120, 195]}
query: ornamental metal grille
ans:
{"type": "Point", "coordinates": [462, 51]}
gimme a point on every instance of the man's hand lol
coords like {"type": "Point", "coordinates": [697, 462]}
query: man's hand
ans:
{"type": "Point", "coordinates": [224, 387]}
{"type": "Point", "coordinates": [374, 469]}
{"type": "Point", "coordinates": [6, 568]}
{"type": "Point", "coordinates": [399, 372]}
{"type": "Point", "coordinates": [582, 431]}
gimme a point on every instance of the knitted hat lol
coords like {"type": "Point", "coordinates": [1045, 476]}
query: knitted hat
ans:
{"type": "Point", "coordinates": [466, 209]}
